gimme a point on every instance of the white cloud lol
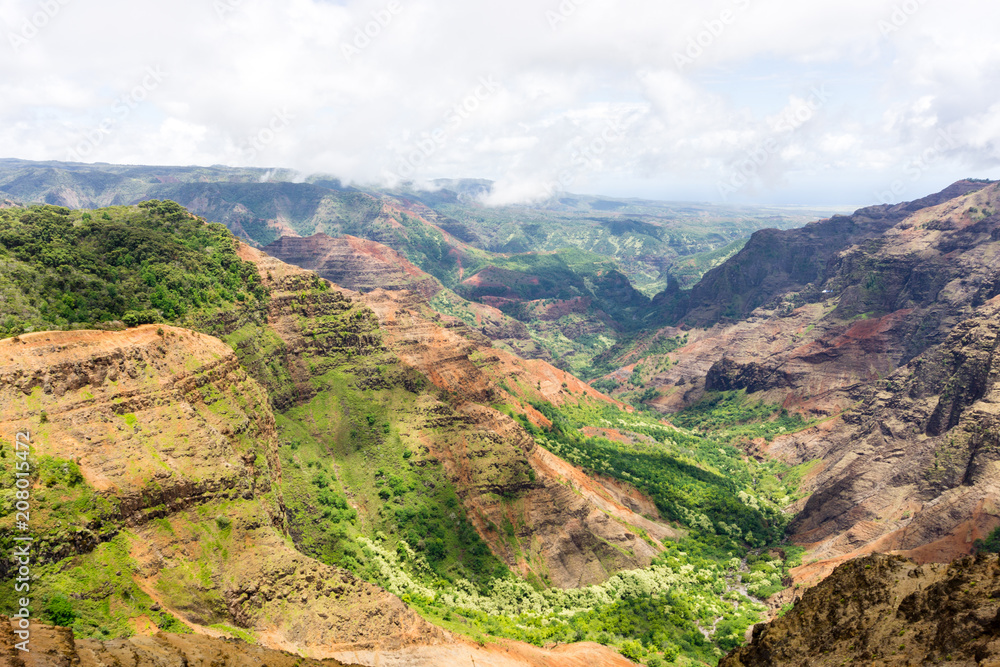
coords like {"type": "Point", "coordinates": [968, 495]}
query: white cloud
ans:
{"type": "Point", "coordinates": [367, 81]}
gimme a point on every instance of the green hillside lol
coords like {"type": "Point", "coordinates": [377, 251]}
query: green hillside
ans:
{"type": "Point", "coordinates": [359, 493]}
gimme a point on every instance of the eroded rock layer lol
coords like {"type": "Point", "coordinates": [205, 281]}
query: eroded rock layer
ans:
{"type": "Point", "coordinates": [816, 313]}
{"type": "Point", "coordinates": [170, 433]}
{"type": "Point", "coordinates": [564, 537]}
{"type": "Point", "coordinates": [887, 611]}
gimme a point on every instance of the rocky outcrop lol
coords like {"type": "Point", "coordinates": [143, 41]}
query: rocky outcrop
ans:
{"type": "Point", "coordinates": [165, 424]}
{"type": "Point", "coordinates": [157, 418]}
{"type": "Point", "coordinates": [877, 291]}
{"type": "Point", "coordinates": [914, 467]}
{"type": "Point", "coordinates": [776, 262]}
{"type": "Point", "coordinates": [354, 263]}
{"type": "Point", "coordinates": [886, 610]}
{"type": "Point", "coordinates": [52, 646]}
{"type": "Point", "coordinates": [728, 375]}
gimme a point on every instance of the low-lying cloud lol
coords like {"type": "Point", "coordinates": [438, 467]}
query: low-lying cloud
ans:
{"type": "Point", "coordinates": [713, 101]}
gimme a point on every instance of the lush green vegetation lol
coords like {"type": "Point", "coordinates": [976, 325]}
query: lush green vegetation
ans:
{"type": "Point", "coordinates": [364, 498]}
{"type": "Point", "coordinates": [991, 544]}
{"type": "Point", "coordinates": [74, 591]}
{"type": "Point", "coordinates": [426, 247]}
{"type": "Point", "coordinates": [360, 491]}
{"type": "Point", "coordinates": [731, 416]}
{"type": "Point", "coordinates": [641, 346]}
{"type": "Point", "coordinates": [648, 240]}
{"type": "Point", "coordinates": [132, 264]}
{"type": "Point", "coordinates": [689, 602]}
{"type": "Point", "coordinates": [403, 497]}
{"type": "Point", "coordinates": [704, 484]}
{"type": "Point", "coordinates": [689, 270]}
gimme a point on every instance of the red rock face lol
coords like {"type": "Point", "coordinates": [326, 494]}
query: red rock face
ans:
{"type": "Point", "coordinates": [565, 534]}
{"type": "Point", "coordinates": [354, 263]}
{"type": "Point", "coordinates": [166, 424]}
{"type": "Point", "coordinates": [180, 387]}
{"type": "Point", "coordinates": [882, 299]}
{"type": "Point", "coordinates": [566, 521]}
{"type": "Point", "coordinates": [914, 467]}
{"type": "Point", "coordinates": [895, 344]}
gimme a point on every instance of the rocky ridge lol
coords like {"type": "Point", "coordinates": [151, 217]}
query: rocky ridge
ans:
{"type": "Point", "coordinates": [886, 611]}
{"type": "Point", "coordinates": [354, 263]}
{"type": "Point", "coordinates": [913, 467]}
{"type": "Point", "coordinates": [165, 376]}
{"type": "Point", "coordinates": [166, 427]}
{"type": "Point", "coordinates": [894, 283]}
{"type": "Point", "coordinates": [563, 537]}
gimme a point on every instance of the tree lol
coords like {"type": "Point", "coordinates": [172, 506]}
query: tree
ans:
{"type": "Point", "coordinates": [60, 611]}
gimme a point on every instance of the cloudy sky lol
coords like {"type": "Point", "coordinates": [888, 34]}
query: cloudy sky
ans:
{"type": "Point", "coordinates": [778, 101]}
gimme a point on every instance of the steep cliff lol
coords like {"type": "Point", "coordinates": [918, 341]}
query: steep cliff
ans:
{"type": "Point", "coordinates": [886, 610]}
{"type": "Point", "coordinates": [877, 293]}
{"type": "Point", "coordinates": [176, 509]}
{"type": "Point", "coordinates": [913, 467]}
{"type": "Point", "coordinates": [777, 262]}
{"type": "Point", "coordinates": [561, 537]}
{"type": "Point", "coordinates": [337, 433]}
{"type": "Point", "coordinates": [354, 263]}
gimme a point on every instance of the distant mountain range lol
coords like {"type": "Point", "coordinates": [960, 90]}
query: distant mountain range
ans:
{"type": "Point", "coordinates": [402, 463]}
{"type": "Point", "coordinates": [487, 257]}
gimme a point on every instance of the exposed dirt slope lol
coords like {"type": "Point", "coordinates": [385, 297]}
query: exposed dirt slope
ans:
{"type": "Point", "coordinates": [168, 426]}
{"type": "Point", "coordinates": [504, 654]}
{"type": "Point", "coordinates": [887, 611]}
{"type": "Point", "coordinates": [567, 537]}
{"type": "Point", "coordinates": [559, 535]}
{"type": "Point", "coordinates": [55, 647]}
{"type": "Point", "coordinates": [363, 265]}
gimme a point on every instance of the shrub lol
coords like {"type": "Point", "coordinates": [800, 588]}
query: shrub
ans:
{"type": "Point", "coordinates": [991, 544]}
{"type": "Point", "coordinates": [632, 649]}
{"type": "Point", "coordinates": [59, 611]}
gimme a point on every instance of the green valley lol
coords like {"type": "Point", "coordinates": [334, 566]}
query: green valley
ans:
{"type": "Point", "coordinates": [370, 453]}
